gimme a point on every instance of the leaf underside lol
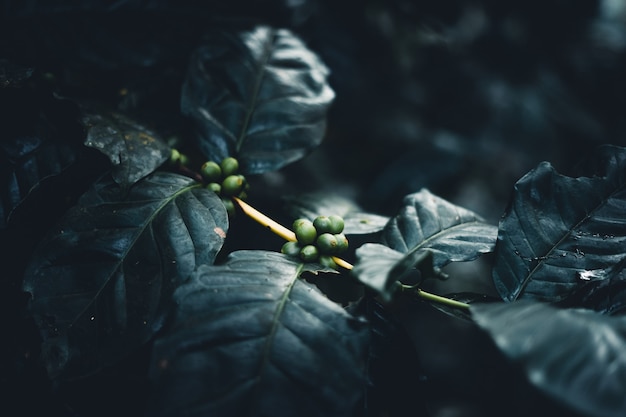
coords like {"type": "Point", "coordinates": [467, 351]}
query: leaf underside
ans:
{"type": "Point", "coordinates": [259, 95]}
{"type": "Point", "coordinates": [575, 356]}
{"type": "Point", "coordinates": [559, 233]}
{"type": "Point", "coordinates": [250, 338]}
{"type": "Point", "coordinates": [100, 280]}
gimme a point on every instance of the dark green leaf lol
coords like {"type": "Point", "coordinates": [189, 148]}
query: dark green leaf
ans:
{"type": "Point", "coordinates": [250, 338]}
{"type": "Point", "coordinates": [24, 163]}
{"type": "Point", "coordinates": [560, 232]}
{"type": "Point", "coordinates": [324, 203]}
{"type": "Point", "coordinates": [574, 356]}
{"type": "Point", "coordinates": [373, 266]}
{"type": "Point", "coordinates": [259, 95]}
{"type": "Point", "coordinates": [134, 150]}
{"type": "Point", "coordinates": [101, 278]}
{"type": "Point", "coordinates": [429, 223]}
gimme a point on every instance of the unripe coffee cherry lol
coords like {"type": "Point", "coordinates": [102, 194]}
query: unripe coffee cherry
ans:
{"type": "Point", "coordinates": [229, 166]}
{"type": "Point", "coordinates": [322, 224]}
{"type": "Point", "coordinates": [215, 187]}
{"type": "Point", "coordinates": [230, 206]}
{"type": "Point", "coordinates": [342, 242]}
{"type": "Point", "coordinates": [305, 231]}
{"type": "Point", "coordinates": [328, 261]}
{"type": "Point", "coordinates": [309, 253]}
{"type": "Point", "coordinates": [327, 244]}
{"type": "Point", "coordinates": [291, 249]}
{"type": "Point", "coordinates": [336, 224]}
{"type": "Point", "coordinates": [211, 171]}
{"type": "Point", "coordinates": [232, 185]}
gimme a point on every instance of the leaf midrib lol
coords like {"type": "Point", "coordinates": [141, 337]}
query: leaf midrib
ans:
{"type": "Point", "coordinates": [542, 260]}
{"type": "Point", "coordinates": [141, 230]}
{"type": "Point", "coordinates": [267, 53]}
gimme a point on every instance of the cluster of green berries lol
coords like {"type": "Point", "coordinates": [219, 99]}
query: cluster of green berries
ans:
{"type": "Point", "coordinates": [224, 180]}
{"type": "Point", "coordinates": [318, 240]}
{"type": "Point", "coordinates": [177, 158]}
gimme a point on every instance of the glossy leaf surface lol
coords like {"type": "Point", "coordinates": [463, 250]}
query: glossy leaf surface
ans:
{"type": "Point", "coordinates": [259, 95]}
{"type": "Point", "coordinates": [134, 150]}
{"type": "Point", "coordinates": [574, 356]}
{"type": "Point", "coordinates": [249, 338]}
{"type": "Point", "coordinates": [560, 232]}
{"type": "Point", "coordinates": [430, 223]}
{"type": "Point", "coordinates": [100, 280]}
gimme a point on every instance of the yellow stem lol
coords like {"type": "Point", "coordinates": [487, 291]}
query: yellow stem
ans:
{"type": "Point", "coordinates": [261, 218]}
{"type": "Point", "coordinates": [287, 234]}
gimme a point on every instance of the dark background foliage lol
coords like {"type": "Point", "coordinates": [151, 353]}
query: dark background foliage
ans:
{"type": "Point", "coordinates": [461, 97]}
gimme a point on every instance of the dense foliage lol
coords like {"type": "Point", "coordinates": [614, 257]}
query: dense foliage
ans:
{"type": "Point", "coordinates": [473, 156]}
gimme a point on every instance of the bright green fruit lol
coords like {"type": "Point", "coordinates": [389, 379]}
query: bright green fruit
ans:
{"type": "Point", "coordinates": [305, 231]}
{"type": "Point", "coordinates": [309, 253]}
{"type": "Point", "coordinates": [233, 185]}
{"type": "Point", "coordinates": [327, 244]}
{"type": "Point", "coordinates": [336, 224]}
{"type": "Point", "coordinates": [215, 187]}
{"type": "Point", "coordinates": [229, 166]}
{"type": "Point", "coordinates": [174, 156]}
{"type": "Point", "coordinates": [328, 261]}
{"type": "Point", "coordinates": [211, 171]}
{"type": "Point", "coordinates": [291, 249]}
{"type": "Point", "coordinates": [322, 224]}
{"type": "Point", "coordinates": [342, 242]}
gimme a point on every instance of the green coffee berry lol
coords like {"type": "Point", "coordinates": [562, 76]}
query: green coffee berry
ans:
{"type": "Point", "coordinates": [291, 249]}
{"type": "Point", "coordinates": [322, 224]}
{"type": "Point", "coordinates": [183, 160]}
{"type": "Point", "coordinates": [229, 166]}
{"type": "Point", "coordinates": [232, 185]}
{"type": "Point", "coordinates": [230, 206]}
{"type": "Point", "coordinates": [326, 243]}
{"type": "Point", "coordinates": [309, 253]}
{"type": "Point", "coordinates": [215, 187]}
{"type": "Point", "coordinates": [336, 224]}
{"type": "Point", "coordinates": [211, 171]}
{"type": "Point", "coordinates": [328, 261]}
{"type": "Point", "coordinates": [342, 242]}
{"type": "Point", "coordinates": [174, 156]}
{"type": "Point", "coordinates": [305, 231]}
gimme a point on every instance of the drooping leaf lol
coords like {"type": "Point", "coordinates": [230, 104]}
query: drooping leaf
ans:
{"type": "Point", "coordinates": [575, 356]}
{"type": "Point", "coordinates": [134, 150]}
{"type": "Point", "coordinates": [380, 268]}
{"type": "Point", "coordinates": [560, 232]}
{"type": "Point", "coordinates": [100, 280]}
{"type": "Point", "coordinates": [249, 338]}
{"type": "Point", "coordinates": [430, 223]}
{"type": "Point", "coordinates": [259, 95]}
{"type": "Point", "coordinates": [316, 204]}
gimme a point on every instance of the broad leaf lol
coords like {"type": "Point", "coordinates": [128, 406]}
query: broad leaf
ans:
{"type": "Point", "coordinates": [559, 232]}
{"type": "Point", "coordinates": [100, 280]}
{"type": "Point", "coordinates": [430, 223]}
{"type": "Point", "coordinates": [315, 204]}
{"type": "Point", "coordinates": [249, 338]}
{"type": "Point", "coordinates": [380, 268]}
{"type": "Point", "coordinates": [24, 164]}
{"type": "Point", "coordinates": [134, 150]}
{"type": "Point", "coordinates": [259, 95]}
{"type": "Point", "coordinates": [574, 356]}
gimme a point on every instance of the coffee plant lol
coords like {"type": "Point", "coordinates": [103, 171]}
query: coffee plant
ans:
{"type": "Point", "coordinates": [178, 238]}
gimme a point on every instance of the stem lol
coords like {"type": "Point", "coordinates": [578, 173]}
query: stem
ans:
{"type": "Point", "coordinates": [287, 234]}
{"type": "Point", "coordinates": [437, 298]}
{"type": "Point", "coordinates": [261, 218]}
